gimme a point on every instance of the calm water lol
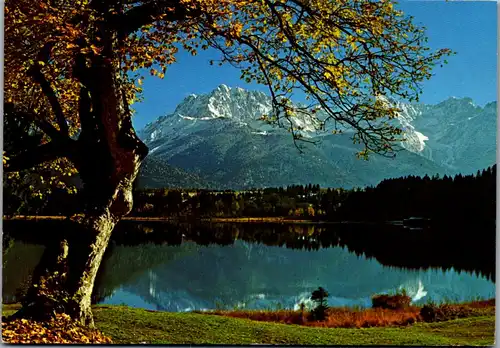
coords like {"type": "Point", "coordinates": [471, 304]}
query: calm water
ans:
{"type": "Point", "coordinates": [232, 271]}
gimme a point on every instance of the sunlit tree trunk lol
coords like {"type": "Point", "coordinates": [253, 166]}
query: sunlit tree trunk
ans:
{"type": "Point", "coordinates": [68, 270]}
{"type": "Point", "coordinates": [108, 158]}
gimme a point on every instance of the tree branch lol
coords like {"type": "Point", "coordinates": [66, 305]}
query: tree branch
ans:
{"type": "Point", "coordinates": [43, 153]}
{"type": "Point", "coordinates": [41, 123]}
{"type": "Point", "coordinates": [144, 14]}
{"type": "Point", "coordinates": [37, 74]}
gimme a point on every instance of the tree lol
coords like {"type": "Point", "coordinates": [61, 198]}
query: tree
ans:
{"type": "Point", "coordinates": [74, 69]}
{"type": "Point", "coordinates": [319, 296]}
{"type": "Point", "coordinates": [310, 211]}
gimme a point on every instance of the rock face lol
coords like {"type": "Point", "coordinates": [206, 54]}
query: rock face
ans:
{"type": "Point", "coordinates": [218, 137]}
{"type": "Point", "coordinates": [461, 135]}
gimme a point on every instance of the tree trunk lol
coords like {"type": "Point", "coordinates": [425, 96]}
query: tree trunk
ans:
{"type": "Point", "coordinates": [84, 260]}
{"type": "Point", "coordinates": [64, 280]}
{"type": "Point", "coordinates": [108, 162]}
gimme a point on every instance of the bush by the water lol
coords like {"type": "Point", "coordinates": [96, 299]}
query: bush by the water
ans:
{"type": "Point", "coordinates": [431, 312]}
{"type": "Point", "coordinates": [397, 301]}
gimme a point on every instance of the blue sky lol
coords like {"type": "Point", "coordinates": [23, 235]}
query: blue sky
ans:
{"type": "Point", "coordinates": [467, 27]}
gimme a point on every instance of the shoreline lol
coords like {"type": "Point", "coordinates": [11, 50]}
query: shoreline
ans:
{"type": "Point", "coordinates": [127, 325]}
{"type": "Point", "coordinates": [268, 219]}
{"type": "Point", "coordinates": [175, 219]}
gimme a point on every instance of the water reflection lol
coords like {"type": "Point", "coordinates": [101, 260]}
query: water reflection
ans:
{"type": "Point", "coordinates": [248, 275]}
{"type": "Point", "coordinates": [186, 267]}
{"type": "Point", "coordinates": [445, 247]}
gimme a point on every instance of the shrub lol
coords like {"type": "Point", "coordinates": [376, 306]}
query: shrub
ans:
{"type": "Point", "coordinates": [431, 312]}
{"type": "Point", "coordinates": [397, 301]}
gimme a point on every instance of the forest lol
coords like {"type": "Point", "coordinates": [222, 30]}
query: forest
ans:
{"type": "Point", "coordinates": [447, 198]}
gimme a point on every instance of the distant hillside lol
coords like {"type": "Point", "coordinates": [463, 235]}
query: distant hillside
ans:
{"type": "Point", "coordinates": [155, 173]}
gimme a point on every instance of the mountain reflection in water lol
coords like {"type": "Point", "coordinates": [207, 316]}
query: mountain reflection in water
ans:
{"type": "Point", "coordinates": [186, 267]}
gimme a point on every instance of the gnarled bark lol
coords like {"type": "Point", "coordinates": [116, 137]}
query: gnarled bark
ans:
{"type": "Point", "coordinates": [107, 155]}
{"type": "Point", "coordinates": [65, 279]}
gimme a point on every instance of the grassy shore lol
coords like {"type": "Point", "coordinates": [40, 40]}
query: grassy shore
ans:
{"type": "Point", "coordinates": [129, 325]}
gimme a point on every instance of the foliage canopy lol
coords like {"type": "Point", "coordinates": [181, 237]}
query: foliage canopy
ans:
{"type": "Point", "coordinates": [346, 56]}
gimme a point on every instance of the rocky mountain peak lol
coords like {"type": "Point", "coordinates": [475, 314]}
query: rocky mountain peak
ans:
{"type": "Point", "coordinates": [224, 102]}
{"type": "Point", "coordinates": [450, 133]}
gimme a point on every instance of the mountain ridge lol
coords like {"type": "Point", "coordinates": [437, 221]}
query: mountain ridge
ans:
{"type": "Point", "coordinates": [218, 136]}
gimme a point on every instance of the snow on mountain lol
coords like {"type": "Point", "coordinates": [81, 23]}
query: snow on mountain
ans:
{"type": "Point", "coordinates": [244, 108]}
{"type": "Point", "coordinates": [240, 107]}
{"type": "Point", "coordinates": [461, 135]}
{"type": "Point", "coordinates": [455, 133]}
{"type": "Point", "coordinates": [420, 122]}
{"type": "Point", "coordinates": [414, 140]}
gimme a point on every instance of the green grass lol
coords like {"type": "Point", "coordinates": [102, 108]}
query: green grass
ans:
{"type": "Point", "coordinates": [9, 309]}
{"type": "Point", "coordinates": [129, 325]}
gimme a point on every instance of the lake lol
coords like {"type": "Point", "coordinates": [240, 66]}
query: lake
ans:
{"type": "Point", "coordinates": [198, 267]}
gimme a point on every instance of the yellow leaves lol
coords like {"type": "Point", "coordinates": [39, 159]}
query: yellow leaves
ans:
{"type": "Point", "coordinates": [377, 28]}
{"type": "Point", "coordinates": [154, 72]}
{"type": "Point", "coordinates": [58, 330]}
{"type": "Point", "coordinates": [29, 27]}
{"type": "Point", "coordinates": [95, 49]}
{"type": "Point", "coordinates": [281, 37]}
{"type": "Point", "coordinates": [236, 29]}
{"type": "Point", "coordinates": [333, 72]}
{"type": "Point", "coordinates": [277, 73]}
{"type": "Point", "coordinates": [363, 154]}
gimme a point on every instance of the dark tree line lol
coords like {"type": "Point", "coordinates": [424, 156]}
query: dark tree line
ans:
{"type": "Point", "coordinates": [463, 197]}
{"type": "Point", "coordinates": [469, 197]}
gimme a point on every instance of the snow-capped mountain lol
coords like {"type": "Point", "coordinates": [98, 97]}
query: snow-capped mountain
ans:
{"type": "Point", "coordinates": [235, 105]}
{"type": "Point", "coordinates": [461, 135]}
{"type": "Point", "coordinates": [455, 133]}
{"type": "Point", "coordinates": [219, 137]}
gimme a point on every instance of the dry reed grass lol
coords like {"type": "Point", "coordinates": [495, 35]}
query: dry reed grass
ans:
{"type": "Point", "coordinates": [358, 318]}
{"type": "Point", "coordinates": [337, 317]}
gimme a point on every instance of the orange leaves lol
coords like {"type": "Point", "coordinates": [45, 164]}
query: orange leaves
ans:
{"type": "Point", "coordinates": [60, 330]}
{"type": "Point", "coordinates": [235, 30]}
